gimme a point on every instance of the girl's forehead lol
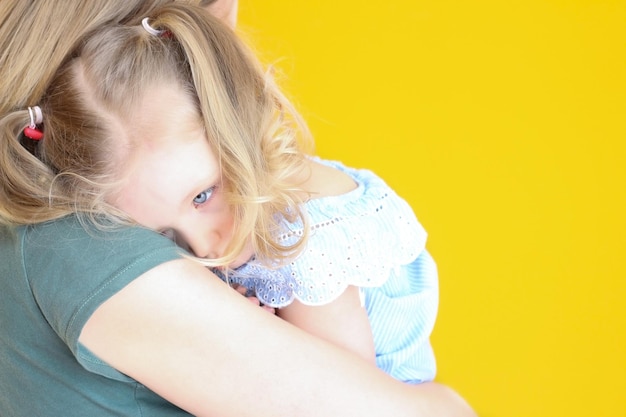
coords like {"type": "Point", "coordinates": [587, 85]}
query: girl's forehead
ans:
{"type": "Point", "coordinates": [163, 180]}
{"type": "Point", "coordinates": [155, 128]}
{"type": "Point", "coordinates": [165, 114]}
{"type": "Point", "coordinates": [170, 160]}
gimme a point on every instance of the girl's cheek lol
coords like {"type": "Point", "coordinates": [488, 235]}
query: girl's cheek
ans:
{"type": "Point", "coordinates": [244, 257]}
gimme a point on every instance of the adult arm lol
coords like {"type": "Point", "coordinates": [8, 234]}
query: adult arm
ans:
{"type": "Point", "coordinates": [183, 333]}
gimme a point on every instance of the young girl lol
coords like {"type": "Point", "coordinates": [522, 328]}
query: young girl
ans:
{"type": "Point", "coordinates": [100, 315]}
{"type": "Point", "coordinates": [333, 249]}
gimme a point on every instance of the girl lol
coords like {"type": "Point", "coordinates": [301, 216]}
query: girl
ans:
{"type": "Point", "coordinates": [333, 249]}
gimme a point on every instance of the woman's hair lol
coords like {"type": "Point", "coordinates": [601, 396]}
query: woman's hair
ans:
{"type": "Point", "coordinates": [255, 133]}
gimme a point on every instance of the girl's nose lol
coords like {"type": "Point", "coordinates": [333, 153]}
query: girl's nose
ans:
{"type": "Point", "coordinates": [202, 245]}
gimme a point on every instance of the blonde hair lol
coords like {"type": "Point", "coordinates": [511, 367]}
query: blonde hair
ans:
{"type": "Point", "coordinates": [37, 36]}
{"type": "Point", "coordinates": [256, 134]}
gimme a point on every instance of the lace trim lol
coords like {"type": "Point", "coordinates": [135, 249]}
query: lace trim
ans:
{"type": "Point", "coordinates": [357, 239]}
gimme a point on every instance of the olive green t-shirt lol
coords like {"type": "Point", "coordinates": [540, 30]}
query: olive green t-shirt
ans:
{"type": "Point", "coordinates": [53, 276]}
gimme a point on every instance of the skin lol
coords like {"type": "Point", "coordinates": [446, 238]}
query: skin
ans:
{"type": "Point", "coordinates": [225, 10]}
{"type": "Point", "coordinates": [168, 328]}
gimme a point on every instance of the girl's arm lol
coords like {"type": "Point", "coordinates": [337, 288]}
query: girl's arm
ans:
{"type": "Point", "coordinates": [182, 332]}
{"type": "Point", "coordinates": [343, 322]}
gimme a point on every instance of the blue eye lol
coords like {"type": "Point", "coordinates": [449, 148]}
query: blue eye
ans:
{"type": "Point", "coordinates": [204, 196]}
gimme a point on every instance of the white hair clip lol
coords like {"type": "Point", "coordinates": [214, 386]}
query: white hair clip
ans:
{"type": "Point", "coordinates": [150, 29]}
{"type": "Point", "coordinates": [36, 118]}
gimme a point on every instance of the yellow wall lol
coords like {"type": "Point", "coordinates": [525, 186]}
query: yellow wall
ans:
{"type": "Point", "coordinates": [503, 124]}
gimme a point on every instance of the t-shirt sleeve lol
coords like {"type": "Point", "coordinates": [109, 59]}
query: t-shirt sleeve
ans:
{"type": "Point", "coordinates": [73, 269]}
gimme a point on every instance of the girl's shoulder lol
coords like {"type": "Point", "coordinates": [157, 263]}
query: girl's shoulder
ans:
{"type": "Point", "coordinates": [356, 238]}
{"type": "Point", "coordinates": [368, 198]}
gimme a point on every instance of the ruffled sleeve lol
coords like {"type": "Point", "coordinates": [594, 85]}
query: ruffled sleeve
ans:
{"type": "Point", "coordinates": [356, 239]}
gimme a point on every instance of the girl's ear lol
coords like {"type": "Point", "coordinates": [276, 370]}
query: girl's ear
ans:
{"type": "Point", "coordinates": [225, 10]}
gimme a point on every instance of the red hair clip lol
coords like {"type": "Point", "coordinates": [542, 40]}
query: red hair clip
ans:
{"type": "Point", "coordinates": [36, 118]}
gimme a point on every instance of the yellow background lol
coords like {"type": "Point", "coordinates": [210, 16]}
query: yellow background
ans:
{"type": "Point", "coordinates": [503, 124]}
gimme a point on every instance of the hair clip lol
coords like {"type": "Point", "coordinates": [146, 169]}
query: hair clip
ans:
{"type": "Point", "coordinates": [36, 118]}
{"type": "Point", "coordinates": [150, 29]}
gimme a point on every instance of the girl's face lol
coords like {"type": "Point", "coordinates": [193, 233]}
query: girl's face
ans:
{"type": "Point", "coordinates": [173, 179]}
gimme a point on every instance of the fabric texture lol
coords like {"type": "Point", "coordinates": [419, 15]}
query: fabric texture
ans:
{"type": "Point", "coordinates": [53, 277]}
{"type": "Point", "coordinates": [369, 238]}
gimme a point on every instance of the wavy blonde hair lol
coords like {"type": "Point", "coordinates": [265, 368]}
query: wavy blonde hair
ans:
{"type": "Point", "coordinates": [259, 139]}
